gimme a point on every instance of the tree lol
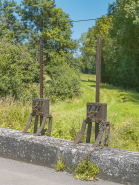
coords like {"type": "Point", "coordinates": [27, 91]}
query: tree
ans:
{"type": "Point", "coordinates": [51, 23]}
{"type": "Point", "coordinates": [11, 27]}
{"type": "Point", "coordinates": [17, 68]}
{"type": "Point", "coordinates": [90, 43]}
{"type": "Point", "coordinates": [21, 38]}
{"type": "Point", "coordinates": [39, 18]}
{"type": "Point", "coordinates": [125, 30]}
{"type": "Point", "coordinates": [120, 40]}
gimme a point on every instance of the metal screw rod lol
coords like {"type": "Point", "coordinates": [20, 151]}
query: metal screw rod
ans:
{"type": "Point", "coordinates": [98, 68]}
{"type": "Point", "coordinates": [41, 67]}
{"type": "Point", "coordinates": [98, 76]}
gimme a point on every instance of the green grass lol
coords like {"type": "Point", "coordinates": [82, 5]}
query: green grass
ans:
{"type": "Point", "coordinates": [86, 170]}
{"type": "Point", "coordinates": [123, 111]}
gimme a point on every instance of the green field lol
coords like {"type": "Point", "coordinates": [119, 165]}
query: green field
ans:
{"type": "Point", "coordinates": [123, 114]}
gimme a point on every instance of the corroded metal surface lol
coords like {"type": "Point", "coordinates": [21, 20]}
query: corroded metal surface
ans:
{"type": "Point", "coordinates": [98, 68]}
{"type": "Point", "coordinates": [41, 67]}
{"type": "Point", "coordinates": [107, 131]}
{"type": "Point", "coordinates": [41, 127]}
{"type": "Point", "coordinates": [35, 124]}
{"type": "Point", "coordinates": [98, 77]}
{"type": "Point", "coordinates": [28, 124]}
{"type": "Point", "coordinates": [49, 126]}
{"type": "Point", "coordinates": [41, 81]}
{"type": "Point", "coordinates": [89, 132]}
{"type": "Point", "coordinates": [40, 107]}
{"type": "Point", "coordinates": [98, 139]}
{"type": "Point", "coordinates": [81, 132]}
{"type": "Point", "coordinates": [96, 112]}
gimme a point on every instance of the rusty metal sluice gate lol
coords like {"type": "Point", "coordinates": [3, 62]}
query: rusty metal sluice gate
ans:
{"type": "Point", "coordinates": [40, 106]}
{"type": "Point", "coordinates": [96, 112]}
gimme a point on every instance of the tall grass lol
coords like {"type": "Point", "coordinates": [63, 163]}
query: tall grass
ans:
{"type": "Point", "coordinates": [13, 114]}
{"type": "Point", "coordinates": [123, 109]}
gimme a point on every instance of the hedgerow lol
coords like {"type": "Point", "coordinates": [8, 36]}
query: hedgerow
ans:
{"type": "Point", "coordinates": [17, 68]}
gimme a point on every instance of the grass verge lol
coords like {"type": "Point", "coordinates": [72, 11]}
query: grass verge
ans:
{"type": "Point", "coordinates": [123, 109]}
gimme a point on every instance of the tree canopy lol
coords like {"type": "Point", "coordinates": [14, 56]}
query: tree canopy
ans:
{"type": "Point", "coordinates": [20, 29]}
{"type": "Point", "coordinates": [120, 40]}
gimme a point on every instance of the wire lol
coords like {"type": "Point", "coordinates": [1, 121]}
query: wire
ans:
{"type": "Point", "coordinates": [101, 18]}
{"type": "Point", "coordinates": [91, 19]}
{"type": "Point", "coordinates": [84, 20]}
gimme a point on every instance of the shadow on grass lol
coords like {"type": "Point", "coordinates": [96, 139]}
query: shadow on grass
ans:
{"type": "Point", "coordinates": [88, 81]}
{"type": "Point", "coordinates": [123, 94]}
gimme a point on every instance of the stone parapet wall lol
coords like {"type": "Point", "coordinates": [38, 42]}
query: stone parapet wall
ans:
{"type": "Point", "coordinates": [114, 164]}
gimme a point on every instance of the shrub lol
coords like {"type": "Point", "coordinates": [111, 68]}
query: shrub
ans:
{"type": "Point", "coordinates": [16, 68]}
{"type": "Point", "coordinates": [65, 83]}
{"type": "Point", "coordinates": [60, 166]}
{"type": "Point", "coordinates": [86, 170]}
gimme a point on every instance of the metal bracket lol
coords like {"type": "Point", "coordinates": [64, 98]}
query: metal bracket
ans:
{"type": "Point", "coordinates": [96, 112]}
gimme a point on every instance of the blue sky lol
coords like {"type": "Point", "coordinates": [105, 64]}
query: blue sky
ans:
{"type": "Point", "coordinates": [82, 9]}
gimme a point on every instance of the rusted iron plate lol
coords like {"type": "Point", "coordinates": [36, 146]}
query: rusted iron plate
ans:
{"type": "Point", "coordinates": [28, 125]}
{"type": "Point", "coordinates": [40, 106]}
{"type": "Point", "coordinates": [96, 112]}
{"type": "Point", "coordinates": [81, 132]}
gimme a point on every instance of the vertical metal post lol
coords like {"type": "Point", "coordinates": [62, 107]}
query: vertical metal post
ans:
{"type": "Point", "coordinates": [89, 132]}
{"type": "Point", "coordinates": [98, 76]}
{"type": "Point", "coordinates": [41, 67]}
{"type": "Point", "coordinates": [98, 68]}
{"type": "Point", "coordinates": [41, 74]}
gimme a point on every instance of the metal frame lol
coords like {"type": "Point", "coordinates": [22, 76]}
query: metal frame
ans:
{"type": "Point", "coordinates": [40, 106]}
{"type": "Point", "coordinates": [96, 112]}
